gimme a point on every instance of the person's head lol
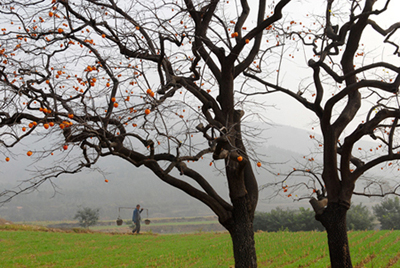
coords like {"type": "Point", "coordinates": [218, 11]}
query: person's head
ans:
{"type": "Point", "coordinates": [137, 206]}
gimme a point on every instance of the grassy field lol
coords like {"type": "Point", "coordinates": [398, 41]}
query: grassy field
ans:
{"type": "Point", "coordinates": [27, 246]}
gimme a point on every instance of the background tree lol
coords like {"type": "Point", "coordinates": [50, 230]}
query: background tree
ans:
{"type": "Point", "coordinates": [359, 218]}
{"type": "Point", "coordinates": [388, 213]}
{"type": "Point", "coordinates": [87, 216]}
{"type": "Point", "coordinates": [151, 82]}
{"type": "Point", "coordinates": [290, 220]}
{"type": "Point", "coordinates": [353, 92]}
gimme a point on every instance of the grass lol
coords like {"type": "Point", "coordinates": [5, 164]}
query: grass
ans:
{"type": "Point", "coordinates": [28, 246]}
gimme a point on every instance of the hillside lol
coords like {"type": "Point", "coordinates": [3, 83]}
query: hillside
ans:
{"type": "Point", "coordinates": [129, 185]}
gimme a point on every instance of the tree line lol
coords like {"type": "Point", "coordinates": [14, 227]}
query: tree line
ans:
{"type": "Point", "coordinates": [359, 218]}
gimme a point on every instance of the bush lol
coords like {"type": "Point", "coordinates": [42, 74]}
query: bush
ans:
{"type": "Point", "coordinates": [290, 220]}
{"type": "Point", "coordinates": [87, 216]}
{"type": "Point", "coordinates": [388, 213]}
{"type": "Point", "coordinates": [359, 218]}
{"type": "Point", "coordinates": [306, 221]}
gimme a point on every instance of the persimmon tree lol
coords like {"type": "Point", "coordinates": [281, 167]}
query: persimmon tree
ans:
{"type": "Point", "coordinates": [353, 90]}
{"type": "Point", "coordinates": [143, 81]}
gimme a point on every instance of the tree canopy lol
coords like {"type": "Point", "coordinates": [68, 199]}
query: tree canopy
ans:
{"type": "Point", "coordinates": [388, 213]}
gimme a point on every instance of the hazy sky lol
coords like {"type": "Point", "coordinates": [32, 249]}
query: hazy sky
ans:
{"type": "Point", "coordinates": [290, 112]}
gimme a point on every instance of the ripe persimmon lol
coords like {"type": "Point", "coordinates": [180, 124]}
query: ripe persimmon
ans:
{"type": "Point", "coordinates": [29, 153]}
{"type": "Point", "coordinates": [65, 147]}
{"type": "Point", "coordinates": [147, 111]}
{"type": "Point", "coordinates": [240, 158]}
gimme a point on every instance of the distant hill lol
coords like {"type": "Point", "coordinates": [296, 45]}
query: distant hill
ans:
{"type": "Point", "coordinates": [280, 147]}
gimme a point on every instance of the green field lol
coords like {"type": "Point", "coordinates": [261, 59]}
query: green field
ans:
{"type": "Point", "coordinates": [27, 246]}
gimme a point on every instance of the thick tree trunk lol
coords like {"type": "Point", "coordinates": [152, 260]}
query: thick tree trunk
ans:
{"type": "Point", "coordinates": [334, 220]}
{"type": "Point", "coordinates": [241, 230]}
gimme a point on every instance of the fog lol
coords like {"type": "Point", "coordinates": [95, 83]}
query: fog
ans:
{"type": "Point", "coordinates": [281, 147]}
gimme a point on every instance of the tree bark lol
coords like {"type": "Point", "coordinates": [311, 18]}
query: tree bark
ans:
{"type": "Point", "coordinates": [334, 220]}
{"type": "Point", "coordinates": [241, 230]}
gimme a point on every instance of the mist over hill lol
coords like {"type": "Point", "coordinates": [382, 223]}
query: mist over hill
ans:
{"type": "Point", "coordinates": [281, 148]}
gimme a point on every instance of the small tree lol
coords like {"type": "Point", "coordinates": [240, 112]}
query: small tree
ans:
{"type": "Point", "coordinates": [87, 216]}
{"type": "Point", "coordinates": [388, 213]}
{"type": "Point", "coordinates": [359, 218]}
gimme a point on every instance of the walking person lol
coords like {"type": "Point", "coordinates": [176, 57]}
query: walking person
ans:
{"type": "Point", "coordinates": [136, 218]}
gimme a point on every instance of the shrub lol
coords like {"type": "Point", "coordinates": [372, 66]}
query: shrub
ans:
{"type": "Point", "coordinates": [291, 220]}
{"type": "Point", "coordinates": [87, 216]}
{"type": "Point", "coordinates": [359, 218]}
{"type": "Point", "coordinates": [388, 213]}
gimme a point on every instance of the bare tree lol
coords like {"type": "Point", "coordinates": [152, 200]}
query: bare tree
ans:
{"type": "Point", "coordinates": [138, 80]}
{"type": "Point", "coordinates": [353, 91]}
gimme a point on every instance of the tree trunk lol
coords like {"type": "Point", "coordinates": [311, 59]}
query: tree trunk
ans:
{"type": "Point", "coordinates": [334, 220]}
{"type": "Point", "coordinates": [241, 230]}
